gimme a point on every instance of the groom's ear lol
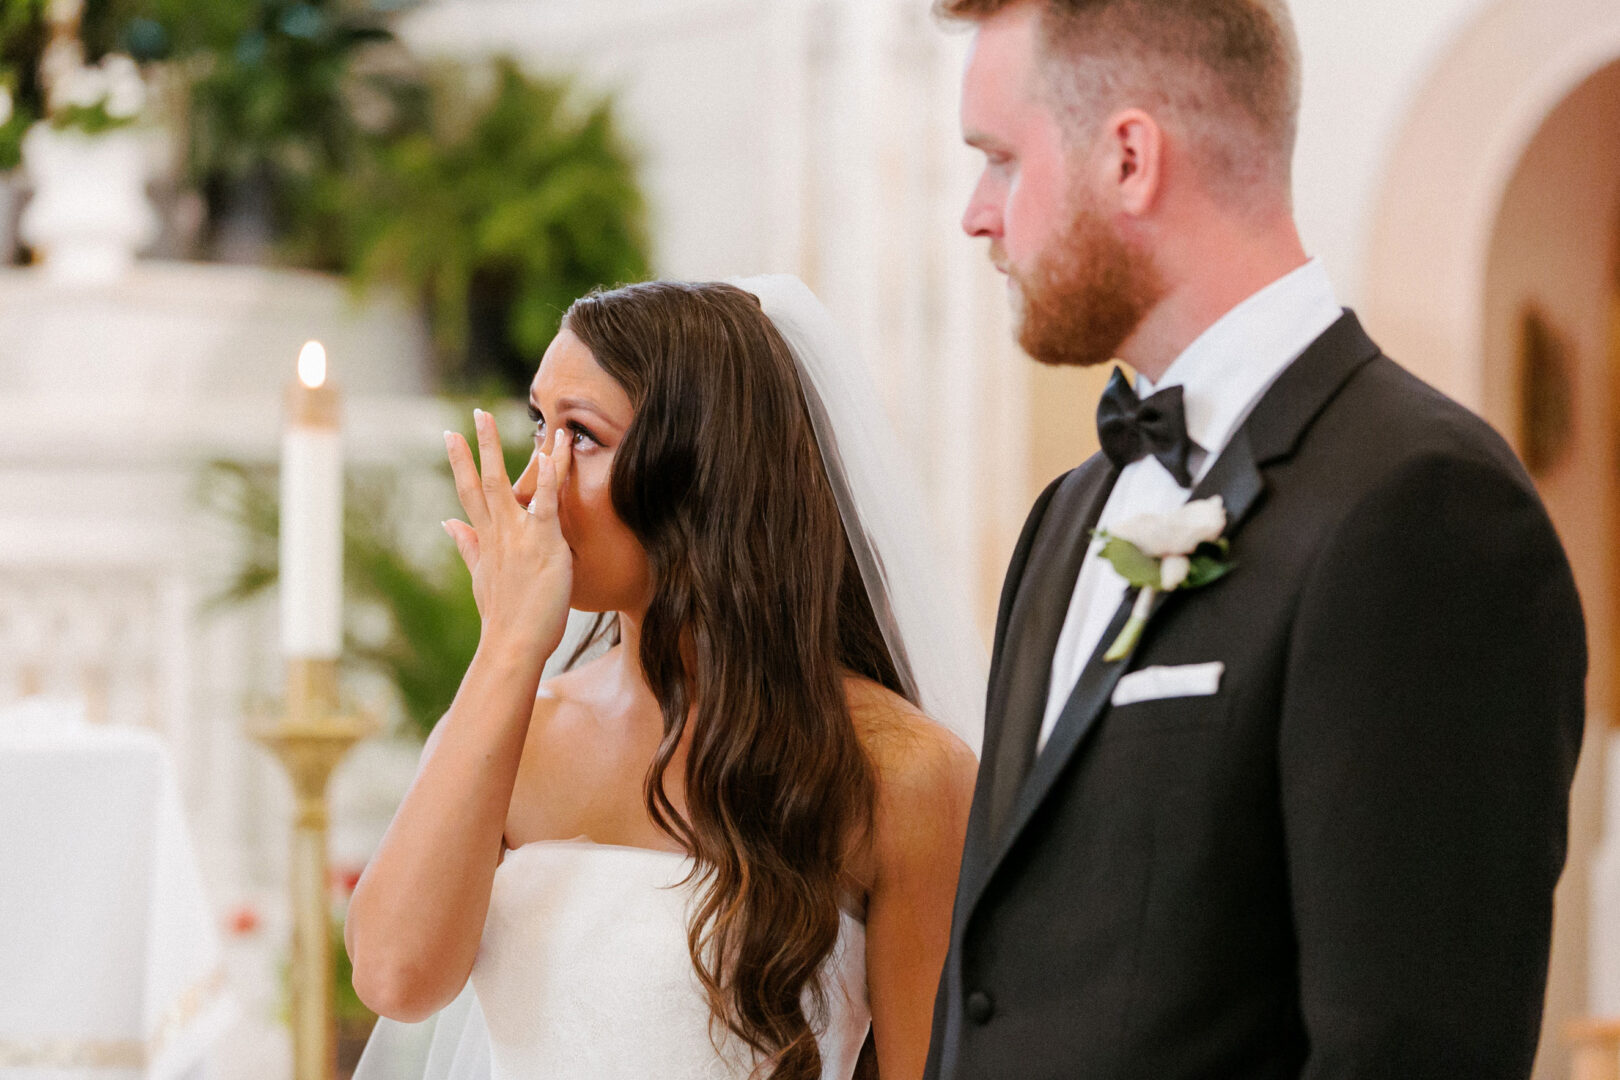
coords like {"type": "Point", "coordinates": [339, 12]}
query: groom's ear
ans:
{"type": "Point", "coordinates": [1133, 161]}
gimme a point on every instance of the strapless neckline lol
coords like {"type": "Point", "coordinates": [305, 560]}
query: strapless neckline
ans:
{"type": "Point", "coordinates": [850, 911]}
{"type": "Point", "coordinates": [584, 972]}
{"type": "Point", "coordinates": [583, 841]}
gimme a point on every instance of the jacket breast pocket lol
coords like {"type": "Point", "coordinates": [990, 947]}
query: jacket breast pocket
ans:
{"type": "Point", "coordinates": [1161, 698]}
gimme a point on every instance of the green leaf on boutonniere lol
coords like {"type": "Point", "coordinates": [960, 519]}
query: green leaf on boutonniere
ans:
{"type": "Point", "coordinates": [1130, 563]}
{"type": "Point", "coordinates": [1208, 564]}
{"type": "Point", "coordinates": [1205, 569]}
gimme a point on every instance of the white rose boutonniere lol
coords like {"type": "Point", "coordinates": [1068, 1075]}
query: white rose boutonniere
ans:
{"type": "Point", "coordinates": [1160, 553]}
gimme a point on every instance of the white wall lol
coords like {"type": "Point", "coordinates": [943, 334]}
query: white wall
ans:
{"type": "Point", "coordinates": [1363, 63]}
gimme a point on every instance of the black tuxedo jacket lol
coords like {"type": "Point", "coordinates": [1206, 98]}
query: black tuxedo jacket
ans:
{"type": "Point", "coordinates": [1340, 866]}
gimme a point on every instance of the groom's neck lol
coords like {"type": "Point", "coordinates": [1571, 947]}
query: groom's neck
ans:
{"type": "Point", "coordinates": [1209, 270]}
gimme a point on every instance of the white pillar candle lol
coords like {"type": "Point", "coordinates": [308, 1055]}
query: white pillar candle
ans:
{"type": "Point", "coordinates": [312, 515]}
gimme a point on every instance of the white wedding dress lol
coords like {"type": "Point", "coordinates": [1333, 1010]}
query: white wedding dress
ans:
{"type": "Point", "coordinates": [583, 973]}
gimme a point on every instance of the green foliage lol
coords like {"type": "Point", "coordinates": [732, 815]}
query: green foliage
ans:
{"type": "Point", "coordinates": [1130, 563]}
{"type": "Point", "coordinates": [433, 621]}
{"type": "Point", "coordinates": [23, 21]}
{"type": "Point", "coordinates": [11, 132]}
{"type": "Point", "coordinates": [88, 119]}
{"type": "Point", "coordinates": [494, 198]}
{"type": "Point", "coordinates": [1208, 564]}
{"type": "Point", "coordinates": [163, 29]}
{"type": "Point", "coordinates": [106, 26]}
{"type": "Point", "coordinates": [272, 104]}
{"type": "Point", "coordinates": [22, 38]}
{"type": "Point", "coordinates": [514, 199]}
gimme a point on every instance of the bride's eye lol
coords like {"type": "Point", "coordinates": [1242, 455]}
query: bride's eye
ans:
{"type": "Point", "coordinates": [578, 434]}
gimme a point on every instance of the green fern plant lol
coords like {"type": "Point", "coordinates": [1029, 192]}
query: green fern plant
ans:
{"type": "Point", "coordinates": [509, 204]}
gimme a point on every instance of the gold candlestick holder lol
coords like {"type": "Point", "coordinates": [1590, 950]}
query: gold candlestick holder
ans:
{"type": "Point", "coordinates": [309, 741]}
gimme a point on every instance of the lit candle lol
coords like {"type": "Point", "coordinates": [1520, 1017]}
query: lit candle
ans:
{"type": "Point", "coordinates": [312, 515]}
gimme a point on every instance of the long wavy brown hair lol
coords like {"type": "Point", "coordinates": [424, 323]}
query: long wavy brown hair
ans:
{"type": "Point", "coordinates": [758, 613]}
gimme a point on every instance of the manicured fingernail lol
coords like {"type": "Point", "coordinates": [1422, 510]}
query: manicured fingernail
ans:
{"type": "Point", "coordinates": [478, 416]}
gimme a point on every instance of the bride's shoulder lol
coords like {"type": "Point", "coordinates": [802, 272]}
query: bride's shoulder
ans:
{"type": "Point", "coordinates": [568, 711]}
{"type": "Point", "coordinates": [923, 770]}
{"type": "Point", "coordinates": [577, 688]}
{"type": "Point", "coordinates": [896, 733]}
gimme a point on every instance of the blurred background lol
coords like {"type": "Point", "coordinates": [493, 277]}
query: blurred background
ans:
{"type": "Point", "coordinates": [191, 189]}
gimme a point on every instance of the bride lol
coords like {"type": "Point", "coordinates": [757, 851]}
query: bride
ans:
{"type": "Point", "coordinates": [728, 846]}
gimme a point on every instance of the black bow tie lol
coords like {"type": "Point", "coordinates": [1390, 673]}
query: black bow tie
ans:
{"type": "Point", "coordinates": [1131, 429]}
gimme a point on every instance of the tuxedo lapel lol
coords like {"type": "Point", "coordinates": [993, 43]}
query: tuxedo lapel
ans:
{"type": "Point", "coordinates": [1272, 431]}
{"type": "Point", "coordinates": [1034, 618]}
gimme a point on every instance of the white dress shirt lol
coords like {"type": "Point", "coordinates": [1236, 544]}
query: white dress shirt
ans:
{"type": "Point", "coordinates": [1222, 374]}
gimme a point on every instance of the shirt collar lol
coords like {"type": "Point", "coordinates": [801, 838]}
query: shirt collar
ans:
{"type": "Point", "coordinates": [1230, 365]}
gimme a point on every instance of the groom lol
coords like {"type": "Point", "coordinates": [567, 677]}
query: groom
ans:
{"type": "Point", "coordinates": [1307, 824]}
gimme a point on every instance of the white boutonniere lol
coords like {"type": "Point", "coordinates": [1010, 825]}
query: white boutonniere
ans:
{"type": "Point", "coordinates": [1160, 553]}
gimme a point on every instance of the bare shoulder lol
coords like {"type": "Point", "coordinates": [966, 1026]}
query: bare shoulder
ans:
{"type": "Point", "coordinates": [565, 701]}
{"type": "Point", "coordinates": [925, 773]}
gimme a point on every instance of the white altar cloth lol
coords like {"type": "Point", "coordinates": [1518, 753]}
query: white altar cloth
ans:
{"type": "Point", "coordinates": [110, 959]}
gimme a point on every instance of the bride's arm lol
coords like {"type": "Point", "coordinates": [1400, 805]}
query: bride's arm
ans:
{"type": "Point", "coordinates": [925, 788]}
{"type": "Point", "coordinates": [418, 912]}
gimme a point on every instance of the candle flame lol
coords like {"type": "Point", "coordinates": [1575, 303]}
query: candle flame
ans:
{"type": "Point", "coordinates": [312, 364]}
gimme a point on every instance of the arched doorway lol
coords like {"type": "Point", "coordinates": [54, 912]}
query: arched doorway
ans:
{"type": "Point", "coordinates": [1492, 272]}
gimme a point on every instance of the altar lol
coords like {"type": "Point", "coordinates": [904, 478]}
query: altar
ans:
{"type": "Point", "coordinates": [112, 957]}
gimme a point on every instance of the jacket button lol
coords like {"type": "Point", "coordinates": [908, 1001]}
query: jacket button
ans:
{"type": "Point", "coordinates": [980, 1007]}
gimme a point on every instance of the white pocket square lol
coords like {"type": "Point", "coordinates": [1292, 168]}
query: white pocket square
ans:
{"type": "Point", "coordinates": [1157, 683]}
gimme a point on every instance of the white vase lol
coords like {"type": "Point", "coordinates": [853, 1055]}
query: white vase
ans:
{"type": "Point", "coordinates": [89, 214]}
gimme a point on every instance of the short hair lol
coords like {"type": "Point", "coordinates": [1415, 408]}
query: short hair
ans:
{"type": "Point", "coordinates": [1227, 70]}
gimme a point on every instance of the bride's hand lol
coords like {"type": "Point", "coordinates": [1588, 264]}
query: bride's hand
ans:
{"type": "Point", "coordinates": [522, 569]}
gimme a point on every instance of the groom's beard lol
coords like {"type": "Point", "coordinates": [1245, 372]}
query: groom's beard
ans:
{"type": "Point", "coordinates": [1086, 295]}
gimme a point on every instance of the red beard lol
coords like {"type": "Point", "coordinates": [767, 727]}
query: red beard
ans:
{"type": "Point", "coordinates": [1086, 295]}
